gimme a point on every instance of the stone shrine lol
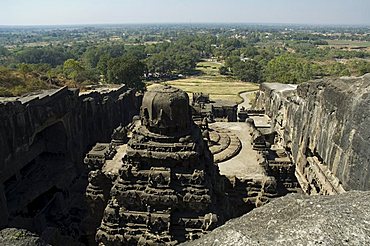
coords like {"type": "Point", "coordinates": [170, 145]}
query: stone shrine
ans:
{"type": "Point", "coordinates": [167, 189]}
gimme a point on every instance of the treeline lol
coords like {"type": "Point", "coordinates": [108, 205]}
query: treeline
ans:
{"type": "Point", "coordinates": [291, 68]}
{"type": "Point", "coordinates": [295, 62]}
{"type": "Point", "coordinates": [75, 66]}
{"type": "Point", "coordinates": [251, 57]}
{"type": "Point", "coordinates": [86, 63]}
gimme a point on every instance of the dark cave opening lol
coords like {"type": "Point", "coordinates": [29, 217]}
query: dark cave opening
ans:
{"type": "Point", "coordinates": [41, 202]}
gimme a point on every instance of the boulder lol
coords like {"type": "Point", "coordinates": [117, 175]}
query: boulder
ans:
{"type": "Point", "coordinates": [299, 220]}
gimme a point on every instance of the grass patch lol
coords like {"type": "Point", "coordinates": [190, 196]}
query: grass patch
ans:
{"type": "Point", "coordinates": [217, 90]}
{"type": "Point", "coordinates": [211, 82]}
{"type": "Point", "coordinates": [348, 43]}
{"type": "Point", "coordinates": [208, 67]}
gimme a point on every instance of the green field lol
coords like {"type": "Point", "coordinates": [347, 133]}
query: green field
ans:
{"type": "Point", "coordinates": [209, 68]}
{"type": "Point", "coordinates": [348, 43]}
{"type": "Point", "coordinates": [331, 43]}
{"type": "Point", "coordinates": [210, 81]}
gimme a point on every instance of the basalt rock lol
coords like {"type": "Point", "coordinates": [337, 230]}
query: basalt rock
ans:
{"type": "Point", "coordinates": [168, 188]}
{"type": "Point", "coordinates": [20, 237]}
{"type": "Point", "coordinates": [299, 220]}
{"type": "Point", "coordinates": [43, 138]}
{"type": "Point", "coordinates": [203, 107]}
{"type": "Point", "coordinates": [324, 124]}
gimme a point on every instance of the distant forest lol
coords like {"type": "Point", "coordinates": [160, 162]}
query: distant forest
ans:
{"type": "Point", "coordinates": [34, 58]}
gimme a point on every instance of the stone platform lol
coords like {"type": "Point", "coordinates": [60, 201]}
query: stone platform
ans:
{"type": "Point", "coordinates": [246, 162]}
{"type": "Point", "coordinates": [224, 144]}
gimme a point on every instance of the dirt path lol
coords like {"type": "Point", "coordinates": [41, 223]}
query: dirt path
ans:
{"type": "Point", "coordinates": [246, 102]}
{"type": "Point", "coordinates": [246, 163]}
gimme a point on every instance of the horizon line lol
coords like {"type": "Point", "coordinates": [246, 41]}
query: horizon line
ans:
{"type": "Point", "coordinates": [187, 23]}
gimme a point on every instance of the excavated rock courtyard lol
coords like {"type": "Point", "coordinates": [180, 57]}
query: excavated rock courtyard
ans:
{"type": "Point", "coordinates": [151, 183]}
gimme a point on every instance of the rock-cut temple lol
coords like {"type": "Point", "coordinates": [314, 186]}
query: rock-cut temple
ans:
{"type": "Point", "coordinates": [168, 189]}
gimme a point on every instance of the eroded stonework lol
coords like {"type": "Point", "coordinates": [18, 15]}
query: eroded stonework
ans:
{"type": "Point", "coordinates": [168, 190]}
{"type": "Point", "coordinates": [221, 110]}
{"type": "Point", "coordinates": [324, 126]}
{"type": "Point", "coordinates": [43, 139]}
{"type": "Point", "coordinates": [298, 219]}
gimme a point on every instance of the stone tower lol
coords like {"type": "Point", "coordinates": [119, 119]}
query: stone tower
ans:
{"type": "Point", "coordinates": [168, 189]}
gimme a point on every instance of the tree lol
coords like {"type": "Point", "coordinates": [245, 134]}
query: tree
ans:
{"type": "Point", "coordinates": [137, 51]}
{"type": "Point", "coordinates": [360, 67]}
{"type": "Point", "coordinates": [102, 65]}
{"type": "Point", "coordinates": [126, 70]}
{"type": "Point", "coordinates": [49, 55]}
{"type": "Point", "coordinates": [231, 60]}
{"type": "Point", "coordinates": [248, 70]}
{"type": "Point", "coordinates": [223, 70]}
{"type": "Point", "coordinates": [160, 63]}
{"type": "Point", "coordinates": [184, 62]}
{"type": "Point", "coordinates": [4, 51]}
{"type": "Point", "coordinates": [25, 69]}
{"type": "Point", "coordinates": [337, 69]}
{"type": "Point", "coordinates": [288, 68]}
{"type": "Point", "coordinates": [72, 68]}
{"type": "Point", "coordinates": [93, 55]}
{"type": "Point", "coordinates": [249, 51]}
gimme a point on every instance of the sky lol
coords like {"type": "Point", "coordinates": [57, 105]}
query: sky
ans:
{"type": "Point", "coordinates": [66, 12]}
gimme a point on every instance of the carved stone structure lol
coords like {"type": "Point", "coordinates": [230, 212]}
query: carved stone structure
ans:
{"type": "Point", "coordinates": [202, 107]}
{"type": "Point", "coordinates": [324, 126]}
{"type": "Point", "coordinates": [162, 186]}
{"type": "Point", "coordinates": [101, 152]}
{"type": "Point", "coordinates": [119, 135]}
{"type": "Point", "coordinates": [226, 110]}
{"type": "Point", "coordinates": [277, 162]}
{"type": "Point", "coordinates": [244, 113]}
{"type": "Point", "coordinates": [168, 189]}
{"type": "Point", "coordinates": [43, 138]}
{"type": "Point", "coordinates": [200, 98]}
{"type": "Point", "coordinates": [223, 144]}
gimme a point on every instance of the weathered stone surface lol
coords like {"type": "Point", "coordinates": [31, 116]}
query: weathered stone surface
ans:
{"type": "Point", "coordinates": [325, 125]}
{"type": "Point", "coordinates": [223, 110]}
{"type": "Point", "coordinates": [168, 189]}
{"type": "Point", "coordinates": [43, 138]}
{"type": "Point", "coordinates": [20, 237]}
{"type": "Point", "coordinates": [162, 111]}
{"type": "Point", "coordinates": [223, 144]}
{"type": "Point", "coordinates": [299, 220]}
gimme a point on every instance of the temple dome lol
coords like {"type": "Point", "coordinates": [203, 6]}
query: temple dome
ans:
{"type": "Point", "coordinates": [165, 110]}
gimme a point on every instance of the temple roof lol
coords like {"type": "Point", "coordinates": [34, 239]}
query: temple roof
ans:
{"type": "Point", "coordinates": [166, 110]}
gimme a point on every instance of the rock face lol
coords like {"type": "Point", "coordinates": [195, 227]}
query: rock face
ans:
{"type": "Point", "coordinates": [168, 188]}
{"type": "Point", "coordinates": [20, 237]}
{"type": "Point", "coordinates": [299, 220]}
{"type": "Point", "coordinates": [325, 126]}
{"type": "Point", "coordinates": [43, 138]}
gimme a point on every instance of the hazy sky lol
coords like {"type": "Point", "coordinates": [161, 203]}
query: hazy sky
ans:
{"type": "Point", "coordinates": [50, 12]}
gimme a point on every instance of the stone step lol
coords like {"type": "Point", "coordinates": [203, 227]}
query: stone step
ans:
{"type": "Point", "coordinates": [233, 149]}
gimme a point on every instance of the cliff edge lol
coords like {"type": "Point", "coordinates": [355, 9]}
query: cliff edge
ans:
{"type": "Point", "coordinates": [299, 220]}
{"type": "Point", "coordinates": [324, 124]}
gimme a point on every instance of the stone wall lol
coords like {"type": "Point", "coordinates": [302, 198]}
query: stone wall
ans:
{"type": "Point", "coordinates": [325, 126]}
{"type": "Point", "coordinates": [43, 139]}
